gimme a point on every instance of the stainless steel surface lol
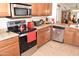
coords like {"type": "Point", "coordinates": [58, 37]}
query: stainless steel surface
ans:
{"type": "Point", "coordinates": [15, 23]}
{"type": "Point", "coordinates": [38, 23]}
{"type": "Point", "coordinates": [22, 35]}
{"type": "Point", "coordinates": [58, 33]}
{"type": "Point", "coordinates": [19, 6]}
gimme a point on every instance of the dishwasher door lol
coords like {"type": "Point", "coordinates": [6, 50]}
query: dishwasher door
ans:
{"type": "Point", "coordinates": [58, 34]}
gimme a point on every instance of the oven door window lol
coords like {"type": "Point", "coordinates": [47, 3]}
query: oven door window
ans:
{"type": "Point", "coordinates": [20, 11]}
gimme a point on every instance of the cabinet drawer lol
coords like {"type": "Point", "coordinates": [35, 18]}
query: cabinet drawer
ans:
{"type": "Point", "coordinates": [11, 50]}
{"type": "Point", "coordinates": [8, 41]}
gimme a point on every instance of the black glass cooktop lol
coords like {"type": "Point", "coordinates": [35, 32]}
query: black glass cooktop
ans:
{"type": "Point", "coordinates": [25, 31]}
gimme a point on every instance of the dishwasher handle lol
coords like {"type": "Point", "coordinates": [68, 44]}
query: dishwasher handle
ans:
{"type": "Point", "coordinates": [58, 27]}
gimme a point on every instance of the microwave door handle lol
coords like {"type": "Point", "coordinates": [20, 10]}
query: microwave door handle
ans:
{"type": "Point", "coordinates": [28, 11]}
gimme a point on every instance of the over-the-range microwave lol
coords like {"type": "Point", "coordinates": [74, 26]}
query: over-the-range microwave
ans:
{"type": "Point", "coordinates": [20, 10]}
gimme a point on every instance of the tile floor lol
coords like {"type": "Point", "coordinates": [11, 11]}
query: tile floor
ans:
{"type": "Point", "coordinates": [57, 49]}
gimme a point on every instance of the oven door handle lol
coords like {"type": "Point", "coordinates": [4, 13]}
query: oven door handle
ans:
{"type": "Point", "coordinates": [22, 35]}
{"type": "Point", "coordinates": [26, 34]}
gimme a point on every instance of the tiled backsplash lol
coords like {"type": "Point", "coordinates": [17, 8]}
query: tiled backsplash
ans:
{"type": "Point", "coordinates": [3, 21]}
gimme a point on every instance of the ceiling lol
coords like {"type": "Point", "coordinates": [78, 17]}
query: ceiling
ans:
{"type": "Point", "coordinates": [70, 5]}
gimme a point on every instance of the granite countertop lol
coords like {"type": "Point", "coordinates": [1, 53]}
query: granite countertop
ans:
{"type": "Point", "coordinates": [62, 25]}
{"type": "Point", "coordinates": [66, 25]}
{"type": "Point", "coordinates": [46, 25]}
{"type": "Point", "coordinates": [42, 26]}
{"type": "Point", "coordinates": [5, 35]}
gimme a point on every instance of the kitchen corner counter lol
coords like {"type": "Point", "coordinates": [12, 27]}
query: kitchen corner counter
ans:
{"type": "Point", "coordinates": [46, 25]}
{"type": "Point", "coordinates": [5, 35]}
{"type": "Point", "coordinates": [61, 25]}
{"type": "Point", "coordinates": [42, 26]}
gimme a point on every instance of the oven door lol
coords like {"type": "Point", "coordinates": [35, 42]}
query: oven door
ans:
{"type": "Point", "coordinates": [27, 41]}
{"type": "Point", "coordinates": [31, 39]}
{"type": "Point", "coordinates": [23, 43]}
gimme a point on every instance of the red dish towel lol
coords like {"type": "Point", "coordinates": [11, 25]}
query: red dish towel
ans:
{"type": "Point", "coordinates": [31, 36]}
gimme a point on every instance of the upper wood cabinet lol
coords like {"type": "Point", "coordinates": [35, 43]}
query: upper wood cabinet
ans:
{"type": "Point", "coordinates": [4, 9]}
{"type": "Point", "coordinates": [48, 8]}
{"type": "Point", "coordinates": [34, 9]}
{"type": "Point", "coordinates": [41, 9]}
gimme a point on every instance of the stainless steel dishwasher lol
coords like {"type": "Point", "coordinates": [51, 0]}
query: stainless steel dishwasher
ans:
{"type": "Point", "coordinates": [58, 33]}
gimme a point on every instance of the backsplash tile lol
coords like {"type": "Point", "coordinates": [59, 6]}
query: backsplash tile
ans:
{"type": "Point", "coordinates": [3, 21]}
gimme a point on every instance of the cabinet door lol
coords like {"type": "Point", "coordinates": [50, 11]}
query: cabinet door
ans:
{"type": "Point", "coordinates": [11, 50]}
{"type": "Point", "coordinates": [41, 9]}
{"type": "Point", "coordinates": [43, 35]}
{"type": "Point", "coordinates": [69, 35]}
{"type": "Point", "coordinates": [76, 40]}
{"type": "Point", "coordinates": [4, 9]}
{"type": "Point", "coordinates": [40, 38]}
{"type": "Point", "coordinates": [47, 34]}
{"type": "Point", "coordinates": [9, 41]}
{"type": "Point", "coordinates": [48, 9]}
{"type": "Point", "coordinates": [34, 9]}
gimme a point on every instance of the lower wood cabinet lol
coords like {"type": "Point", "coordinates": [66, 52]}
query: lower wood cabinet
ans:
{"type": "Point", "coordinates": [71, 36]}
{"type": "Point", "coordinates": [47, 34]}
{"type": "Point", "coordinates": [76, 39]}
{"type": "Point", "coordinates": [11, 50]}
{"type": "Point", "coordinates": [43, 35]}
{"type": "Point", "coordinates": [40, 38]}
{"type": "Point", "coordinates": [9, 47]}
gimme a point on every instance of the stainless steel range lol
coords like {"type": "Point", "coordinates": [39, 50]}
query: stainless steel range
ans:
{"type": "Point", "coordinates": [27, 38]}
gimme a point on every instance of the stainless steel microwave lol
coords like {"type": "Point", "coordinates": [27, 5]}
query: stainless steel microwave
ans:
{"type": "Point", "coordinates": [20, 10]}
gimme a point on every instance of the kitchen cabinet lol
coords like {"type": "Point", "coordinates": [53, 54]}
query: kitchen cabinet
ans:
{"type": "Point", "coordinates": [9, 47]}
{"type": "Point", "coordinates": [40, 38]}
{"type": "Point", "coordinates": [43, 35]}
{"type": "Point", "coordinates": [41, 9]}
{"type": "Point", "coordinates": [34, 9]}
{"type": "Point", "coordinates": [76, 38]}
{"type": "Point", "coordinates": [69, 34]}
{"type": "Point", "coordinates": [11, 50]}
{"type": "Point", "coordinates": [4, 9]}
{"type": "Point", "coordinates": [48, 8]}
{"type": "Point", "coordinates": [47, 34]}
